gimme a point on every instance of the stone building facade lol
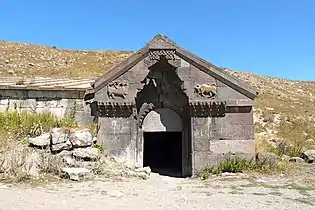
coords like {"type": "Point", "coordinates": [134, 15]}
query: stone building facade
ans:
{"type": "Point", "coordinates": [166, 108]}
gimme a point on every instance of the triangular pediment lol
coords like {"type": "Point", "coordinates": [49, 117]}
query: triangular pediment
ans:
{"type": "Point", "coordinates": [163, 42]}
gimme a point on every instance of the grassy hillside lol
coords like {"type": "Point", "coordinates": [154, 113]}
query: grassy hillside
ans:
{"type": "Point", "coordinates": [284, 110]}
{"type": "Point", "coordinates": [16, 58]}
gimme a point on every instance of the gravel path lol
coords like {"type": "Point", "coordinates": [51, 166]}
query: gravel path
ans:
{"type": "Point", "coordinates": [160, 193]}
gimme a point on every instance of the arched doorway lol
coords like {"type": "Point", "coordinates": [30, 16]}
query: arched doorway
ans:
{"type": "Point", "coordinates": [162, 141]}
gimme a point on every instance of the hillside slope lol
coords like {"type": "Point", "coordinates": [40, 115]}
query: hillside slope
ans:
{"type": "Point", "coordinates": [284, 109]}
{"type": "Point", "coordinates": [16, 58]}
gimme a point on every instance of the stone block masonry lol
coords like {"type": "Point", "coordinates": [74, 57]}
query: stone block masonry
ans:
{"type": "Point", "coordinates": [61, 98]}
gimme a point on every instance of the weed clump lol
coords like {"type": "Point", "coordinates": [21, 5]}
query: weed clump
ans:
{"type": "Point", "coordinates": [235, 165]}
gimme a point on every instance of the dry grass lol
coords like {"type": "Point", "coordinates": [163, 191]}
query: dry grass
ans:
{"type": "Point", "coordinates": [287, 110]}
{"type": "Point", "coordinates": [16, 58]}
{"type": "Point", "coordinates": [19, 163]}
{"type": "Point", "coordinates": [27, 124]}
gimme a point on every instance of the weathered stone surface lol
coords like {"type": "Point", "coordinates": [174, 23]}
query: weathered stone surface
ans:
{"type": "Point", "coordinates": [232, 146]}
{"type": "Point", "coordinates": [62, 146]}
{"type": "Point", "coordinates": [77, 174]}
{"type": "Point", "coordinates": [296, 159]}
{"type": "Point", "coordinates": [81, 138]}
{"type": "Point", "coordinates": [59, 136]}
{"type": "Point", "coordinates": [308, 156]}
{"type": "Point", "coordinates": [65, 153]}
{"type": "Point", "coordinates": [163, 86]}
{"type": "Point", "coordinates": [88, 153]}
{"type": "Point", "coordinates": [40, 141]}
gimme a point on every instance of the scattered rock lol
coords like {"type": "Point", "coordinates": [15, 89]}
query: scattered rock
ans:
{"type": "Point", "coordinates": [42, 141]}
{"type": "Point", "coordinates": [81, 138]}
{"type": "Point", "coordinates": [146, 170]}
{"type": "Point", "coordinates": [296, 160]}
{"type": "Point", "coordinates": [308, 156]}
{"type": "Point", "coordinates": [88, 153]}
{"type": "Point", "coordinates": [77, 174]}
{"type": "Point", "coordinates": [268, 158]}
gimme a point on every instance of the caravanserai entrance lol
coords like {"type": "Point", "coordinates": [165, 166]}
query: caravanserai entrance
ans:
{"type": "Point", "coordinates": [162, 142]}
{"type": "Point", "coordinates": [162, 151]}
{"type": "Point", "coordinates": [166, 108]}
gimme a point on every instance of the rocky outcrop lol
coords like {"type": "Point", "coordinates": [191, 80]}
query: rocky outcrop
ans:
{"type": "Point", "coordinates": [68, 144]}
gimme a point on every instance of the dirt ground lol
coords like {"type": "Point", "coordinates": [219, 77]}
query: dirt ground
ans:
{"type": "Point", "coordinates": [161, 192]}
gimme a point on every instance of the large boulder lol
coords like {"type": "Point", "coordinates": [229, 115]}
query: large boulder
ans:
{"type": "Point", "coordinates": [308, 156]}
{"type": "Point", "coordinates": [88, 153]}
{"type": "Point", "coordinates": [81, 138]}
{"type": "Point", "coordinates": [42, 141]}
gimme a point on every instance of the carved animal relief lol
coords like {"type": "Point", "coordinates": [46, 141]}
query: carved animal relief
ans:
{"type": "Point", "coordinates": [206, 90]}
{"type": "Point", "coordinates": [117, 89]}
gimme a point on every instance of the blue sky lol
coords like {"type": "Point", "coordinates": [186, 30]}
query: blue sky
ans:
{"type": "Point", "coordinates": [270, 37]}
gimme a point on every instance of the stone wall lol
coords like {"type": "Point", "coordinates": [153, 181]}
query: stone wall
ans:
{"type": "Point", "coordinates": [61, 103]}
{"type": "Point", "coordinates": [217, 138]}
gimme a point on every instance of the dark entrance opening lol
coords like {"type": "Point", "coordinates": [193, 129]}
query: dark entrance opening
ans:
{"type": "Point", "coordinates": [163, 152]}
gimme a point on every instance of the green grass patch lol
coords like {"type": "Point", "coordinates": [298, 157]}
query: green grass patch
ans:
{"type": "Point", "coordinates": [26, 124]}
{"type": "Point", "coordinates": [240, 165]}
{"type": "Point", "coordinates": [231, 165]}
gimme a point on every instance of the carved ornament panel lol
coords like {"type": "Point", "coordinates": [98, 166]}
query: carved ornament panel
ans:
{"type": "Point", "coordinates": [118, 89]}
{"type": "Point", "coordinates": [205, 90]}
{"type": "Point", "coordinates": [156, 54]}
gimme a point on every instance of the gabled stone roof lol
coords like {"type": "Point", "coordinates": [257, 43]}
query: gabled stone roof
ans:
{"type": "Point", "coordinates": [44, 83]}
{"type": "Point", "coordinates": [163, 42]}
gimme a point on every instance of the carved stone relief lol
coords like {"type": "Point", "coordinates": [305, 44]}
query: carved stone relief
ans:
{"type": "Point", "coordinates": [206, 90]}
{"type": "Point", "coordinates": [117, 89]}
{"type": "Point", "coordinates": [156, 54]}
